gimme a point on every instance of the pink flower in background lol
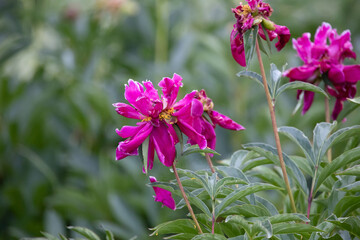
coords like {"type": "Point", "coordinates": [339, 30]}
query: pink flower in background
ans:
{"type": "Point", "coordinates": [193, 106]}
{"type": "Point", "coordinates": [249, 15]}
{"type": "Point", "coordinates": [157, 117]}
{"type": "Point", "coordinates": [163, 196]}
{"type": "Point", "coordinates": [324, 58]}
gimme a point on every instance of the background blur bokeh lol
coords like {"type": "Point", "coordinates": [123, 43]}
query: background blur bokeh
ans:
{"type": "Point", "coordinates": [62, 65]}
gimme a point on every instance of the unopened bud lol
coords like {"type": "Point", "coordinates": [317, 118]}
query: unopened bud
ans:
{"type": "Point", "coordinates": [268, 24]}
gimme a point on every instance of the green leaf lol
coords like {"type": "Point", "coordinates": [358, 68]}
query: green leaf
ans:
{"type": "Point", "coordinates": [270, 152]}
{"type": "Point", "coordinates": [287, 217]}
{"type": "Point", "coordinates": [339, 136]}
{"type": "Point", "coordinates": [241, 222]}
{"type": "Point", "coordinates": [145, 154]}
{"type": "Point", "coordinates": [301, 140]}
{"type": "Point", "coordinates": [176, 226]}
{"type": "Point", "coordinates": [109, 235]}
{"type": "Point", "coordinates": [191, 174]}
{"type": "Point", "coordinates": [266, 37]}
{"type": "Point", "coordinates": [348, 108]}
{"type": "Point", "coordinates": [300, 85]}
{"type": "Point", "coordinates": [246, 210]}
{"type": "Point", "coordinates": [269, 176]}
{"type": "Point", "coordinates": [62, 237]}
{"type": "Point", "coordinates": [181, 236]}
{"type": "Point", "coordinates": [209, 236]}
{"type": "Point", "coordinates": [267, 204]}
{"type": "Point", "coordinates": [287, 228]}
{"type": "Point", "coordinates": [232, 172]}
{"type": "Point", "coordinates": [252, 75]}
{"type": "Point", "coordinates": [196, 149]}
{"type": "Point", "coordinates": [249, 43]}
{"type": "Point", "coordinates": [353, 187]}
{"type": "Point", "coordinates": [85, 232]}
{"type": "Point", "coordinates": [250, 164]}
{"type": "Point", "coordinates": [261, 46]}
{"type": "Point", "coordinates": [238, 158]}
{"type": "Point", "coordinates": [321, 132]}
{"type": "Point", "coordinates": [341, 161]}
{"type": "Point", "coordinates": [303, 164]}
{"type": "Point", "coordinates": [274, 81]}
{"type": "Point", "coordinates": [242, 192]}
{"type": "Point", "coordinates": [227, 181]}
{"type": "Point", "coordinates": [347, 205]}
{"type": "Point", "coordinates": [354, 100]}
{"type": "Point", "coordinates": [180, 137]}
{"type": "Point", "coordinates": [49, 236]}
{"type": "Point", "coordinates": [354, 171]}
{"type": "Point", "coordinates": [350, 224]}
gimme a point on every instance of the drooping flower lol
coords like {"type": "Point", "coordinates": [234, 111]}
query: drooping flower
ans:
{"type": "Point", "coordinates": [164, 196]}
{"type": "Point", "coordinates": [323, 60]}
{"type": "Point", "coordinates": [256, 12]}
{"type": "Point", "coordinates": [157, 119]}
{"type": "Point", "coordinates": [198, 109]}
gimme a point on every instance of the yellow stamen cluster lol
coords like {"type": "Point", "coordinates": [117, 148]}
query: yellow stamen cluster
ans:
{"type": "Point", "coordinates": [146, 119]}
{"type": "Point", "coordinates": [166, 114]}
{"type": "Point", "coordinates": [246, 9]}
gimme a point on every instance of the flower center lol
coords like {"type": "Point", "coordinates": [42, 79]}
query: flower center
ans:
{"type": "Point", "coordinates": [146, 119]}
{"type": "Point", "coordinates": [167, 115]}
{"type": "Point", "coordinates": [246, 9]}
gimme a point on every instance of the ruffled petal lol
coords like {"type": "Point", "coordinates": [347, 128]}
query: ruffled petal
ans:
{"type": "Point", "coordinates": [197, 108]}
{"type": "Point", "coordinates": [192, 134]}
{"type": "Point", "coordinates": [164, 144]}
{"type": "Point", "coordinates": [127, 111]}
{"type": "Point", "coordinates": [130, 145]}
{"type": "Point", "coordinates": [322, 33]}
{"type": "Point", "coordinates": [283, 36]}
{"type": "Point", "coordinates": [303, 46]}
{"type": "Point", "coordinates": [224, 121]}
{"type": "Point", "coordinates": [237, 47]}
{"type": "Point", "coordinates": [352, 73]}
{"type": "Point", "coordinates": [170, 88]}
{"type": "Point", "coordinates": [303, 73]}
{"type": "Point", "coordinates": [164, 196]}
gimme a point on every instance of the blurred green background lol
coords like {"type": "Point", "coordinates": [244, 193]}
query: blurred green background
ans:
{"type": "Point", "coordinates": [62, 65]}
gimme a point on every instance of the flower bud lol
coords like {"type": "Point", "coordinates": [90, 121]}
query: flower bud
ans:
{"type": "Point", "coordinates": [268, 24]}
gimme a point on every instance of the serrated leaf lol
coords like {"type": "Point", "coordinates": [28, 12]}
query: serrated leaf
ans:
{"type": "Point", "coordinates": [242, 192]}
{"type": "Point", "coordinates": [288, 228]}
{"type": "Point", "coordinates": [342, 160]}
{"type": "Point", "coordinates": [252, 75]}
{"type": "Point", "coordinates": [209, 236]}
{"type": "Point", "coordinates": [270, 152]}
{"type": "Point", "coordinates": [249, 43]}
{"type": "Point", "coordinates": [176, 226]}
{"type": "Point", "coordinates": [85, 232]}
{"type": "Point", "coordinates": [299, 138]}
{"type": "Point", "coordinates": [298, 85]}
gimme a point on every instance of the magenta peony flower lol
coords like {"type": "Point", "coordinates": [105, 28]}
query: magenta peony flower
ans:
{"type": "Point", "coordinates": [193, 106]}
{"type": "Point", "coordinates": [249, 15]}
{"type": "Point", "coordinates": [324, 58]}
{"type": "Point", "coordinates": [163, 196]}
{"type": "Point", "coordinates": [157, 119]}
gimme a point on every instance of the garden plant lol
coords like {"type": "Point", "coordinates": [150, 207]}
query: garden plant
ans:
{"type": "Point", "coordinates": [296, 184]}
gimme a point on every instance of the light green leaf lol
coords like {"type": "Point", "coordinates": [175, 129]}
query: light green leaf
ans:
{"type": "Point", "coordinates": [85, 232]}
{"type": "Point", "coordinates": [209, 236]}
{"type": "Point", "coordinates": [247, 210]}
{"type": "Point", "coordinates": [193, 175]}
{"type": "Point", "coordinates": [341, 161]}
{"type": "Point", "coordinates": [62, 237]}
{"type": "Point", "coordinates": [227, 181]}
{"type": "Point", "coordinates": [196, 149]}
{"type": "Point", "coordinates": [321, 132]}
{"type": "Point", "coordinates": [287, 228]}
{"type": "Point", "coordinates": [303, 164]}
{"type": "Point", "coordinates": [274, 81]}
{"type": "Point", "coordinates": [238, 158]}
{"type": "Point", "coordinates": [267, 204]}
{"type": "Point", "coordinates": [351, 224]}
{"type": "Point", "coordinates": [354, 100]}
{"type": "Point", "coordinates": [176, 226]}
{"type": "Point", "coordinates": [302, 86]}
{"type": "Point", "coordinates": [287, 217]}
{"type": "Point", "coordinates": [109, 235]}
{"type": "Point", "coordinates": [354, 171]}
{"type": "Point", "coordinates": [270, 152]}
{"type": "Point", "coordinates": [250, 164]}
{"type": "Point", "coordinates": [266, 37]}
{"type": "Point", "coordinates": [242, 192]}
{"type": "Point", "coordinates": [232, 172]}
{"type": "Point", "coordinates": [181, 236]}
{"type": "Point", "coordinates": [49, 236]}
{"type": "Point", "coordinates": [353, 187]}
{"type": "Point", "coordinates": [251, 75]}
{"type": "Point", "coordinates": [301, 140]}
{"type": "Point", "coordinates": [347, 205]}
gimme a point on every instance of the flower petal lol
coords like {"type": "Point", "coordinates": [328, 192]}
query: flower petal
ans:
{"type": "Point", "coordinates": [192, 134]}
{"type": "Point", "coordinates": [224, 121]}
{"type": "Point", "coordinates": [164, 144]}
{"type": "Point", "coordinates": [303, 46]}
{"type": "Point", "coordinates": [127, 111]}
{"type": "Point", "coordinates": [170, 88]}
{"type": "Point", "coordinates": [308, 100]}
{"type": "Point", "coordinates": [164, 196]}
{"type": "Point", "coordinates": [237, 47]}
{"type": "Point", "coordinates": [336, 75]}
{"type": "Point", "coordinates": [322, 33]}
{"type": "Point", "coordinates": [352, 73]}
{"type": "Point", "coordinates": [283, 36]}
{"type": "Point", "coordinates": [337, 109]}
{"type": "Point", "coordinates": [303, 73]}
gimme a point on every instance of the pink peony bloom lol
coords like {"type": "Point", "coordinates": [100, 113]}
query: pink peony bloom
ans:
{"type": "Point", "coordinates": [324, 58]}
{"type": "Point", "coordinates": [249, 15]}
{"type": "Point", "coordinates": [163, 196]}
{"type": "Point", "coordinates": [193, 106]}
{"type": "Point", "coordinates": [157, 119]}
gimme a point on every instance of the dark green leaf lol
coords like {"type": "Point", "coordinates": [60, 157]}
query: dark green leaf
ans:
{"type": "Point", "coordinates": [287, 217]}
{"type": "Point", "coordinates": [181, 236]}
{"type": "Point", "coordinates": [209, 236]}
{"type": "Point", "coordinates": [286, 228]}
{"type": "Point", "coordinates": [227, 181]}
{"type": "Point", "coordinates": [249, 43]}
{"type": "Point", "coordinates": [109, 235]}
{"type": "Point", "coordinates": [354, 171]}
{"type": "Point", "coordinates": [261, 46]}
{"type": "Point", "coordinates": [85, 232]}
{"type": "Point", "coordinates": [347, 205]}
{"type": "Point", "coordinates": [351, 224]}
{"type": "Point", "coordinates": [241, 222]}
{"type": "Point", "coordinates": [246, 210]}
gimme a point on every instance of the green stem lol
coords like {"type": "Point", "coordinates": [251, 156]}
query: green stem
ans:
{"type": "Point", "coordinates": [186, 199]}
{"type": "Point", "coordinates": [276, 134]}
